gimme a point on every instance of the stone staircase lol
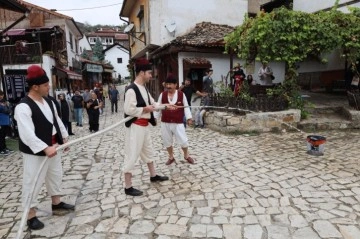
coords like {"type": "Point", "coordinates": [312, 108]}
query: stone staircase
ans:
{"type": "Point", "coordinates": [329, 112]}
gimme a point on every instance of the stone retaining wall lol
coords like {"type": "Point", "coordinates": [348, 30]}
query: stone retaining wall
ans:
{"type": "Point", "coordinates": [260, 122]}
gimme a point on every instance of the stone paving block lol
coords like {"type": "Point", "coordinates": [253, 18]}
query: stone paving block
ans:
{"type": "Point", "coordinates": [214, 231]}
{"type": "Point", "coordinates": [325, 229]}
{"type": "Point", "coordinates": [142, 227]}
{"type": "Point", "coordinates": [232, 231]}
{"type": "Point", "coordinates": [305, 232]}
{"type": "Point", "coordinates": [253, 232]}
{"type": "Point", "coordinates": [349, 232]}
{"type": "Point", "coordinates": [278, 232]}
{"type": "Point", "coordinates": [198, 230]}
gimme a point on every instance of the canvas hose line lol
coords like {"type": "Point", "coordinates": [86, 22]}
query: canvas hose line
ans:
{"type": "Point", "coordinates": [81, 139]}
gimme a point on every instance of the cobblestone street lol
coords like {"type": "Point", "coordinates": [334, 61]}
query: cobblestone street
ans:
{"type": "Point", "coordinates": [242, 186]}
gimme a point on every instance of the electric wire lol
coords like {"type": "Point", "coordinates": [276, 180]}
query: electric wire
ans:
{"type": "Point", "coordinates": [87, 8]}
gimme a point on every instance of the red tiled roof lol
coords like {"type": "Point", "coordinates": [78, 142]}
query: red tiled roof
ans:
{"type": "Point", "coordinates": [121, 36]}
{"type": "Point", "coordinates": [116, 35]}
{"type": "Point", "coordinates": [197, 61]}
{"type": "Point", "coordinates": [30, 5]}
{"type": "Point", "coordinates": [204, 34]}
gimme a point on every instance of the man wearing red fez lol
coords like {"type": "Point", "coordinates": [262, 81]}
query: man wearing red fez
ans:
{"type": "Point", "coordinates": [41, 131]}
{"type": "Point", "coordinates": [138, 142]}
{"type": "Point", "coordinates": [172, 120]}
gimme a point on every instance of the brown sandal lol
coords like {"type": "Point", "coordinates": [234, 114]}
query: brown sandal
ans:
{"type": "Point", "coordinates": [170, 161]}
{"type": "Point", "coordinates": [190, 160]}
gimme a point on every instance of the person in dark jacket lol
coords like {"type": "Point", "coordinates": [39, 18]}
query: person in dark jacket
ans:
{"type": "Point", "coordinates": [4, 124]}
{"type": "Point", "coordinates": [94, 105]}
{"type": "Point", "coordinates": [65, 112]}
{"type": "Point", "coordinates": [78, 107]}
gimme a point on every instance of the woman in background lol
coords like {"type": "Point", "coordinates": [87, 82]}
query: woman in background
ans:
{"type": "Point", "coordinates": [66, 112]}
{"type": "Point", "coordinates": [94, 105]}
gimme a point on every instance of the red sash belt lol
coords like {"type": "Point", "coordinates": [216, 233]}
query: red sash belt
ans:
{"type": "Point", "coordinates": [142, 122]}
{"type": "Point", "coordinates": [53, 139]}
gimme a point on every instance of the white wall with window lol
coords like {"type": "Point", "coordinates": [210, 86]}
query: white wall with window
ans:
{"type": "Point", "coordinates": [118, 56]}
{"type": "Point", "coordinates": [92, 40]}
{"type": "Point", "coordinates": [84, 44]}
{"type": "Point", "coordinates": [185, 14]}
{"type": "Point", "coordinates": [314, 6]}
{"type": "Point", "coordinates": [72, 44]}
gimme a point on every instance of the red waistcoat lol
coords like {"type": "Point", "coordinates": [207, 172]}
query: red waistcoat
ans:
{"type": "Point", "coordinates": [173, 116]}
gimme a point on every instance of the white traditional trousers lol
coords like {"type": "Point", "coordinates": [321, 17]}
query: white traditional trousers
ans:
{"type": "Point", "coordinates": [52, 175]}
{"type": "Point", "coordinates": [171, 130]}
{"type": "Point", "coordinates": [138, 145]}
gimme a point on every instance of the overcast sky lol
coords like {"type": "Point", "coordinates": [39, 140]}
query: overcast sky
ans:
{"type": "Point", "coordinates": [99, 15]}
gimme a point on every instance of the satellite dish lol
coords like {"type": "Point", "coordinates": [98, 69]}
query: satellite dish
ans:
{"type": "Point", "coordinates": [128, 28]}
{"type": "Point", "coordinates": [171, 27]}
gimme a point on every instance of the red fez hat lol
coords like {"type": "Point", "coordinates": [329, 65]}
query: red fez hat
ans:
{"type": "Point", "coordinates": [36, 75]}
{"type": "Point", "coordinates": [171, 79]}
{"type": "Point", "coordinates": [142, 64]}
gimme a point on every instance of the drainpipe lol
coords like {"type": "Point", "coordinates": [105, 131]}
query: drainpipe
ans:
{"type": "Point", "coordinates": [122, 19]}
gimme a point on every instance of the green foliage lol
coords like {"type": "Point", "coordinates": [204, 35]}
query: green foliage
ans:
{"type": "Point", "coordinates": [224, 90]}
{"type": "Point", "coordinates": [294, 36]}
{"type": "Point", "coordinates": [244, 93]}
{"type": "Point", "coordinates": [284, 35]}
{"type": "Point", "coordinates": [98, 51]}
{"type": "Point", "coordinates": [85, 55]}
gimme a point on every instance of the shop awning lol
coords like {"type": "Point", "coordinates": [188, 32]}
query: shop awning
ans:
{"type": "Point", "coordinates": [16, 32]}
{"type": "Point", "coordinates": [70, 74]}
{"type": "Point", "coordinates": [108, 70]}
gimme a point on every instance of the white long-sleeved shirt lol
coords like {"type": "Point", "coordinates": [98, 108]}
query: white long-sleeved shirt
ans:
{"type": "Point", "coordinates": [130, 102]}
{"type": "Point", "coordinates": [173, 101]}
{"type": "Point", "coordinates": [26, 128]}
{"type": "Point", "coordinates": [265, 76]}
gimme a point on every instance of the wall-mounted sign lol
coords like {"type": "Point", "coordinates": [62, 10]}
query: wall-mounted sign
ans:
{"type": "Point", "coordinates": [94, 68]}
{"type": "Point", "coordinates": [15, 87]}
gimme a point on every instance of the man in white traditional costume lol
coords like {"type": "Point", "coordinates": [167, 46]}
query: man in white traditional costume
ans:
{"type": "Point", "coordinates": [172, 120]}
{"type": "Point", "coordinates": [138, 142]}
{"type": "Point", "coordinates": [41, 131]}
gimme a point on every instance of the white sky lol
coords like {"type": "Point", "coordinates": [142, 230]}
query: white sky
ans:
{"type": "Point", "coordinates": [104, 15]}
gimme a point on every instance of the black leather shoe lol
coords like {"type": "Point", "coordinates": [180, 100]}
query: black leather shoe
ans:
{"type": "Point", "coordinates": [133, 192]}
{"type": "Point", "coordinates": [158, 178]}
{"type": "Point", "coordinates": [35, 224]}
{"type": "Point", "coordinates": [63, 206]}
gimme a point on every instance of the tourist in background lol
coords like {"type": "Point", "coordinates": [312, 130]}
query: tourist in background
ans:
{"type": "Point", "coordinates": [94, 105]}
{"type": "Point", "coordinates": [4, 124]}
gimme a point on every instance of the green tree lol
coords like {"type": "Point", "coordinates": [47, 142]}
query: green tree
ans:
{"type": "Point", "coordinates": [85, 54]}
{"type": "Point", "coordinates": [98, 51]}
{"type": "Point", "coordinates": [294, 36]}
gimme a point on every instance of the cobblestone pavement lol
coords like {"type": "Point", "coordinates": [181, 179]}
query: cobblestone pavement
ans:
{"type": "Point", "coordinates": [242, 186]}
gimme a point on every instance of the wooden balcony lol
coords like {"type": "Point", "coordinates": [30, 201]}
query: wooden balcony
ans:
{"type": "Point", "coordinates": [21, 53]}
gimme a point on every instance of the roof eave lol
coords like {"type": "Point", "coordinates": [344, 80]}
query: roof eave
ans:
{"type": "Point", "coordinates": [13, 6]}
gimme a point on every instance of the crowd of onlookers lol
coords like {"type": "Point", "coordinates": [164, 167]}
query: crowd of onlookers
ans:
{"type": "Point", "coordinates": [72, 105]}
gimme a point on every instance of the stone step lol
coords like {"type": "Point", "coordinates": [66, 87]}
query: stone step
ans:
{"type": "Point", "coordinates": [327, 118]}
